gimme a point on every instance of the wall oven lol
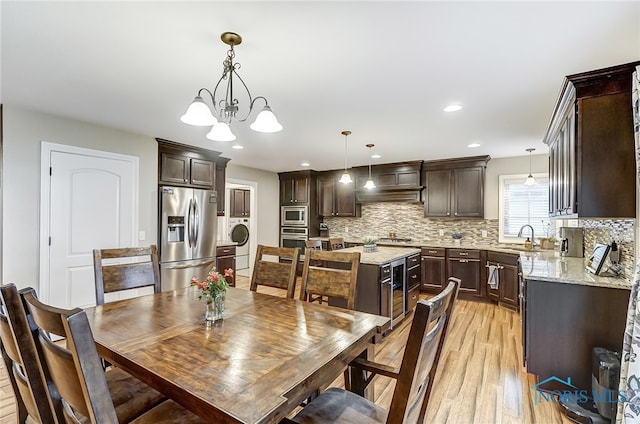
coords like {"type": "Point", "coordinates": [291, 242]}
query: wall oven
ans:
{"type": "Point", "coordinates": [294, 237]}
{"type": "Point", "coordinates": [296, 216]}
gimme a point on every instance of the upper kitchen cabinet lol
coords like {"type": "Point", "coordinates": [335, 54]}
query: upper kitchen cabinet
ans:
{"type": "Point", "coordinates": [296, 187]}
{"type": "Point", "coordinates": [395, 182]}
{"type": "Point", "coordinates": [239, 203]}
{"type": "Point", "coordinates": [591, 146]}
{"type": "Point", "coordinates": [454, 188]}
{"type": "Point", "coordinates": [335, 198]}
{"type": "Point", "coordinates": [189, 166]}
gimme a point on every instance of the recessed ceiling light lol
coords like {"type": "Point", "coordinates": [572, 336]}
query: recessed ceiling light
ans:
{"type": "Point", "coordinates": [237, 147]}
{"type": "Point", "coordinates": [452, 108]}
{"type": "Point", "coordinates": [474, 145]}
{"type": "Point", "coordinates": [305, 164]}
{"type": "Point", "coordinates": [376, 156]}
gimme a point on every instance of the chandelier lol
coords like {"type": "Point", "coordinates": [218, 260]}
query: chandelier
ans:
{"type": "Point", "coordinates": [198, 113]}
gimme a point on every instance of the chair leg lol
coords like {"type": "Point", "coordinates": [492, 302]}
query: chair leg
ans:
{"type": "Point", "coordinates": [347, 379]}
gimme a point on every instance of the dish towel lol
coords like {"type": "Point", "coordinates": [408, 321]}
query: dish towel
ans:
{"type": "Point", "coordinates": [494, 278]}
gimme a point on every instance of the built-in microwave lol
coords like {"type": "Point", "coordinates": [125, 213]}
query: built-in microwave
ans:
{"type": "Point", "coordinates": [294, 216]}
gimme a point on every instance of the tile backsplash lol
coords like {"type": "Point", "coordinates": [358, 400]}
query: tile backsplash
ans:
{"type": "Point", "coordinates": [407, 221]}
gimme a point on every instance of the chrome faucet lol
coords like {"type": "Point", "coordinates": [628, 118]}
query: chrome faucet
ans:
{"type": "Point", "coordinates": [533, 243]}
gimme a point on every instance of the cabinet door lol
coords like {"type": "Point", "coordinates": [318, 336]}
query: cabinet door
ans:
{"type": "Point", "coordinates": [468, 192]}
{"type": "Point", "coordinates": [226, 262]}
{"type": "Point", "coordinates": [286, 192]}
{"type": "Point", "coordinates": [325, 196]}
{"type": "Point", "coordinates": [494, 294]}
{"type": "Point", "coordinates": [221, 171]}
{"type": "Point", "coordinates": [385, 298]}
{"type": "Point", "coordinates": [236, 203]}
{"type": "Point", "coordinates": [344, 199]}
{"type": "Point", "coordinates": [247, 203]}
{"type": "Point", "coordinates": [413, 296]}
{"type": "Point", "coordinates": [509, 285]}
{"type": "Point", "coordinates": [174, 169]}
{"type": "Point", "coordinates": [202, 172]}
{"type": "Point", "coordinates": [468, 271]}
{"type": "Point", "coordinates": [437, 193]}
{"type": "Point", "coordinates": [433, 273]}
{"type": "Point", "coordinates": [301, 190]}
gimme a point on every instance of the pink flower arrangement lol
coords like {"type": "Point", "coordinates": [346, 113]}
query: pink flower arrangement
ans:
{"type": "Point", "coordinates": [214, 284]}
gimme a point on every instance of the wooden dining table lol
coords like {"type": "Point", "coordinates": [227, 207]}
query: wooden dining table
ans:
{"type": "Point", "coordinates": [262, 360]}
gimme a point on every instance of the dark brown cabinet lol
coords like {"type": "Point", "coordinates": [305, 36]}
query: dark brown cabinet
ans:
{"type": "Point", "coordinates": [239, 203]}
{"type": "Point", "coordinates": [335, 198]}
{"type": "Point", "coordinates": [412, 282]}
{"type": "Point", "coordinates": [508, 290]}
{"type": "Point", "coordinates": [434, 273]}
{"type": "Point", "coordinates": [189, 166]}
{"type": "Point", "coordinates": [591, 144]}
{"type": "Point", "coordinates": [454, 188]}
{"type": "Point", "coordinates": [395, 182]}
{"type": "Point", "coordinates": [465, 265]}
{"type": "Point", "coordinates": [294, 189]}
{"type": "Point", "coordinates": [225, 259]}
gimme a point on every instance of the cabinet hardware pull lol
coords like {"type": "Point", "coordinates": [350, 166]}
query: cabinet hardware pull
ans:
{"type": "Point", "coordinates": [464, 260]}
{"type": "Point", "coordinates": [464, 254]}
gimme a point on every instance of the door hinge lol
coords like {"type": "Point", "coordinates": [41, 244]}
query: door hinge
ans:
{"type": "Point", "coordinates": [49, 240]}
{"type": "Point", "coordinates": [50, 171]}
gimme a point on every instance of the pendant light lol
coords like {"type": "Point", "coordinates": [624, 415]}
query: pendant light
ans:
{"type": "Point", "coordinates": [369, 184]}
{"type": "Point", "coordinates": [346, 178]}
{"type": "Point", "coordinates": [530, 180]}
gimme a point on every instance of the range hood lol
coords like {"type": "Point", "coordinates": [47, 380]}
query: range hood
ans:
{"type": "Point", "coordinates": [395, 182]}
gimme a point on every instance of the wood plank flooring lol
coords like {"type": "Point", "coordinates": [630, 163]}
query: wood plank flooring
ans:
{"type": "Point", "coordinates": [480, 377]}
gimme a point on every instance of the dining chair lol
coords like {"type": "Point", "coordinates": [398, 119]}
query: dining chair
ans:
{"type": "Point", "coordinates": [22, 360]}
{"type": "Point", "coordinates": [327, 279]}
{"type": "Point", "coordinates": [336, 243]}
{"type": "Point", "coordinates": [274, 272]}
{"type": "Point", "coordinates": [127, 272]}
{"type": "Point", "coordinates": [414, 378]}
{"type": "Point", "coordinates": [75, 368]}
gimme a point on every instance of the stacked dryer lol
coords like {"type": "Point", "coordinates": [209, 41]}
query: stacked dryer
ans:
{"type": "Point", "coordinates": [239, 233]}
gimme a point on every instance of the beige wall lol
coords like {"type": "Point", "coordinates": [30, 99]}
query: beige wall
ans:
{"type": "Point", "coordinates": [509, 166]}
{"type": "Point", "coordinates": [24, 130]}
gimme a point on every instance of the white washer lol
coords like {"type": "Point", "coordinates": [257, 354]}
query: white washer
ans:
{"type": "Point", "coordinates": [239, 233]}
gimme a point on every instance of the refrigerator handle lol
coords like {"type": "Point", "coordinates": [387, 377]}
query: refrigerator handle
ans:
{"type": "Point", "coordinates": [190, 223]}
{"type": "Point", "coordinates": [196, 222]}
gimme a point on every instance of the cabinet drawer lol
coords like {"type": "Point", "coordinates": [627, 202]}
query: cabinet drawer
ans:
{"type": "Point", "coordinates": [413, 260]}
{"type": "Point", "coordinates": [433, 251]}
{"type": "Point", "coordinates": [412, 299]}
{"type": "Point", "coordinates": [385, 272]}
{"type": "Point", "coordinates": [503, 258]}
{"type": "Point", "coordinates": [463, 254]}
{"type": "Point", "coordinates": [413, 277]}
{"type": "Point", "coordinates": [225, 251]}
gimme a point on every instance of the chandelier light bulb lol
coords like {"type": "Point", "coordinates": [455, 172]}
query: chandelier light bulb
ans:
{"type": "Point", "coordinates": [221, 132]}
{"type": "Point", "coordinates": [199, 114]}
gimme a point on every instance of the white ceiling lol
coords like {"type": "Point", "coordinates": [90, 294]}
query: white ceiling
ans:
{"type": "Point", "coordinates": [383, 70]}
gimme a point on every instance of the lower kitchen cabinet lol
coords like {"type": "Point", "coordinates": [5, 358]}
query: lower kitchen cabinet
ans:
{"type": "Point", "coordinates": [225, 259]}
{"type": "Point", "coordinates": [413, 295]}
{"type": "Point", "coordinates": [564, 322]}
{"type": "Point", "coordinates": [465, 265]}
{"type": "Point", "coordinates": [508, 290]}
{"type": "Point", "coordinates": [434, 270]}
{"type": "Point", "coordinates": [413, 278]}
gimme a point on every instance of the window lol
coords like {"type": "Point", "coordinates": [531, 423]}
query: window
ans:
{"type": "Point", "coordinates": [521, 205]}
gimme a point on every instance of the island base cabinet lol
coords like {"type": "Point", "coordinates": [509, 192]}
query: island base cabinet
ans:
{"type": "Point", "coordinates": [564, 322]}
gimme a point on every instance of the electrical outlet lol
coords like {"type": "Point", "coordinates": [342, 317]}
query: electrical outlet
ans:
{"type": "Point", "coordinates": [346, 229]}
{"type": "Point", "coordinates": [441, 232]}
{"type": "Point", "coordinates": [484, 233]}
{"type": "Point", "coordinates": [141, 235]}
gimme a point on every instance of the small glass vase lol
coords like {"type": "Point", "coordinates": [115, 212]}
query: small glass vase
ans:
{"type": "Point", "coordinates": [214, 307]}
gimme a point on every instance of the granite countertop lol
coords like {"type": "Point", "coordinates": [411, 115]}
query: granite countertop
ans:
{"type": "Point", "coordinates": [537, 264]}
{"type": "Point", "coordinates": [383, 255]}
{"type": "Point", "coordinates": [550, 266]}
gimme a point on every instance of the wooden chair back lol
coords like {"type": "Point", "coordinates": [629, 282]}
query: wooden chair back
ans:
{"type": "Point", "coordinates": [273, 273]}
{"type": "Point", "coordinates": [313, 244]}
{"type": "Point", "coordinates": [22, 360]}
{"type": "Point", "coordinates": [74, 366]}
{"type": "Point", "coordinates": [431, 321]}
{"type": "Point", "coordinates": [336, 243]}
{"type": "Point", "coordinates": [327, 279]}
{"type": "Point", "coordinates": [115, 277]}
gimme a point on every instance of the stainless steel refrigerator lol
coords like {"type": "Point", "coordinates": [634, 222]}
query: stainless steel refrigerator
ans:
{"type": "Point", "coordinates": [187, 235]}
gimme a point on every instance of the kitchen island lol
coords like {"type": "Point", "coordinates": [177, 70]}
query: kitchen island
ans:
{"type": "Point", "coordinates": [388, 281]}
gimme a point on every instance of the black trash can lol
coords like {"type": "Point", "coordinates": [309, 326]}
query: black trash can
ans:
{"type": "Point", "coordinates": [605, 377]}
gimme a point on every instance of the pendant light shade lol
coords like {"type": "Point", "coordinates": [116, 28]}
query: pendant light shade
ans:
{"type": "Point", "coordinates": [369, 185]}
{"type": "Point", "coordinates": [221, 132]}
{"type": "Point", "coordinates": [346, 177]}
{"type": "Point", "coordinates": [198, 113]}
{"type": "Point", "coordinates": [266, 122]}
{"type": "Point", "coordinates": [530, 180]}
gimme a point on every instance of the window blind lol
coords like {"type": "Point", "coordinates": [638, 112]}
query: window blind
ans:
{"type": "Point", "coordinates": [522, 205]}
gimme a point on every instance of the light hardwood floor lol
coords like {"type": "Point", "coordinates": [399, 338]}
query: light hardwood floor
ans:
{"type": "Point", "coordinates": [480, 377]}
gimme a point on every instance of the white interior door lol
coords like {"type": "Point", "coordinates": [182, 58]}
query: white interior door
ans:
{"type": "Point", "coordinates": [92, 205]}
